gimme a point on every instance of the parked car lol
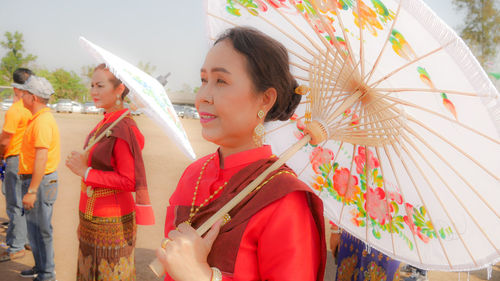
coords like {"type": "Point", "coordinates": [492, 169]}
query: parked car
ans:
{"type": "Point", "coordinates": [64, 105]}
{"type": "Point", "coordinates": [133, 109]}
{"type": "Point", "coordinates": [191, 112]}
{"type": "Point", "coordinates": [89, 107]}
{"type": "Point", "coordinates": [76, 107]}
{"type": "Point", "coordinates": [6, 103]}
{"type": "Point", "coordinates": [180, 110]}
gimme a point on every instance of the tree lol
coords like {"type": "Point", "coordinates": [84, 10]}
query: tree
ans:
{"type": "Point", "coordinates": [67, 84]}
{"type": "Point", "coordinates": [15, 57]}
{"type": "Point", "coordinates": [146, 67]}
{"type": "Point", "coordinates": [481, 27]}
{"type": "Point", "coordinates": [87, 71]}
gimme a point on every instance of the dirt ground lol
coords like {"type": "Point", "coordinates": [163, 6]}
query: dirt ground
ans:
{"type": "Point", "coordinates": [164, 166]}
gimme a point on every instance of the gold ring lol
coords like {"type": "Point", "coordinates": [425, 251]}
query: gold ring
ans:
{"type": "Point", "coordinates": [164, 242]}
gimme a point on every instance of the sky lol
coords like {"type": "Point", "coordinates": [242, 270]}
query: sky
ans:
{"type": "Point", "coordinates": [165, 33]}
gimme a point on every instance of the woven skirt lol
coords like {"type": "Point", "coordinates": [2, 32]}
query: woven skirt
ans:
{"type": "Point", "coordinates": [355, 263]}
{"type": "Point", "coordinates": [106, 250]}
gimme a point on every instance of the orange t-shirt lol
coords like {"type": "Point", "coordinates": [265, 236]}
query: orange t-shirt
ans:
{"type": "Point", "coordinates": [41, 132]}
{"type": "Point", "coordinates": [16, 119]}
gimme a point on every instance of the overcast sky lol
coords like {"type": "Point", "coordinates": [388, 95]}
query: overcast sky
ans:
{"type": "Point", "coordinates": [165, 33]}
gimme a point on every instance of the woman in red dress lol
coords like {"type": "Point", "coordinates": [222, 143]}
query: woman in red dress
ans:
{"type": "Point", "coordinates": [111, 171]}
{"type": "Point", "coordinates": [277, 232]}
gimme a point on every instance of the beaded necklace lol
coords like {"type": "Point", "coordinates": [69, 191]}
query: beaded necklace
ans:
{"type": "Point", "coordinates": [194, 211]}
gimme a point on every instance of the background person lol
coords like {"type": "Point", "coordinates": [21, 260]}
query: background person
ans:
{"type": "Point", "coordinates": [11, 138]}
{"type": "Point", "coordinates": [38, 162]}
{"type": "Point", "coordinates": [358, 263]}
{"type": "Point", "coordinates": [277, 233]}
{"type": "Point", "coordinates": [112, 171]}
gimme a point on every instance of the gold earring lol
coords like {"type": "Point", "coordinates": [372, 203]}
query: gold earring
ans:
{"type": "Point", "coordinates": [118, 101]}
{"type": "Point", "coordinates": [259, 130]}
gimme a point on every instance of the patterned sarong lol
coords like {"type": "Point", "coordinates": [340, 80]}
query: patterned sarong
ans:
{"type": "Point", "coordinates": [356, 264]}
{"type": "Point", "coordinates": [106, 250]}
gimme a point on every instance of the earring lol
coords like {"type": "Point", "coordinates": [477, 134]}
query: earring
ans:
{"type": "Point", "coordinates": [118, 100]}
{"type": "Point", "coordinates": [258, 131]}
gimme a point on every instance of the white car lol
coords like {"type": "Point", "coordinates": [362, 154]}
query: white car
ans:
{"type": "Point", "coordinates": [89, 107]}
{"type": "Point", "coordinates": [76, 107]}
{"type": "Point", "coordinates": [6, 103]}
{"type": "Point", "coordinates": [64, 105]}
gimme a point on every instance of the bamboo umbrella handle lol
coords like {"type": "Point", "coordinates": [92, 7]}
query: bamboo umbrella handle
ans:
{"type": "Point", "coordinates": [247, 190]}
{"type": "Point", "coordinates": [103, 134]}
{"type": "Point", "coordinates": [156, 265]}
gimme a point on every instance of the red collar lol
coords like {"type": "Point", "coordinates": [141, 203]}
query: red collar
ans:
{"type": "Point", "coordinates": [244, 157]}
{"type": "Point", "coordinates": [112, 116]}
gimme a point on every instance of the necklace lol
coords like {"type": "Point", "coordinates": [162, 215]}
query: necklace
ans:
{"type": "Point", "coordinates": [194, 211]}
{"type": "Point", "coordinates": [92, 139]}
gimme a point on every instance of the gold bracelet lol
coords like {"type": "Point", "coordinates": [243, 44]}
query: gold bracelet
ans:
{"type": "Point", "coordinates": [216, 274]}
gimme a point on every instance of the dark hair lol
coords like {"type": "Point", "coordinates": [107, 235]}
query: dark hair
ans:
{"type": "Point", "coordinates": [115, 81]}
{"type": "Point", "coordinates": [20, 75]}
{"type": "Point", "coordinates": [268, 66]}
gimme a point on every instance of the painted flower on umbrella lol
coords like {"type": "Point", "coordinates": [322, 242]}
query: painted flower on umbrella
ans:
{"type": "Point", "coordinates": [300, 126]}
{"type": "Point", "coordinates": [417, 230]}
{"type": "Point", "coordinates": [319, 183]}
{"type": "Point", "coordinates": [376, 205]}
{"type": "Point", "coordinates": [320, 156]}
{"type": "Point", "coordinates": [395, 196]}
{"type": "Point", "coordinates": [357, 218]}
{"type": "Point", "coordinates": [354, 117]}
{"type": "Point", "coordinates": [360, 160]}
{"type": "Point", "coordinates": [345, 187]}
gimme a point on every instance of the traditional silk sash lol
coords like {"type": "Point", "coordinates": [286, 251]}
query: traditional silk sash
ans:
{"type": "Point", "coordinates": [277, 185]}
{"type": "Point", "coordinates": [103, 153]}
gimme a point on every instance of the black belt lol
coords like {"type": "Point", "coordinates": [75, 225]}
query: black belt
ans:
{"type": "Point", "coordinates": [25, 176]}
{"type": "Point", "coordinates": [28, 176]}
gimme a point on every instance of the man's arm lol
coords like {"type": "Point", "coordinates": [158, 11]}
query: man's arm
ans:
{"type": "Point", "coordinates": [4, 142]}
{"type": "Point", "coordinates": [29, 198]}
{"type": "Point", "coordinates": [41, 155]}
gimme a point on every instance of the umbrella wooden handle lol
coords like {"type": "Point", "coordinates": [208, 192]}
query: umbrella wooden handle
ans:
{"type": "Point", "coordinates": [103, 134]}
{"type": "Point", "coordinates": [247, 190]}
{"type": "Point", "coordinates": [156, 265]}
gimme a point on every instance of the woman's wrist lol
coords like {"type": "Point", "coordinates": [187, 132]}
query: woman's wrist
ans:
{"type": "Point", "coordinates": [86, 173]}
{"type": "Point", "coordinates": [335, 230]}
{"type": "Point", "coordinates": [216, 274]}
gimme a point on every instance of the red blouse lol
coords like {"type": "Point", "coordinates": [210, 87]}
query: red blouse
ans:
{"type": "Point", "coordinates": [280, 242]}
{"type": "Point", "coordinates": [121, 178]}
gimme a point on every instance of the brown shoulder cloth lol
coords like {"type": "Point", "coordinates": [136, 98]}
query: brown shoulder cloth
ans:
{"type": "Point", "coordinates": [281, 182]}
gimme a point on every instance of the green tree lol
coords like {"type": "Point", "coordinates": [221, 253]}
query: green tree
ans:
{"type": "Point", "coordinates": [146, 67]}
{"type": "Point", "coordinates": [67, 84]}
{"type": "Point", "coordinates": [481, 27]}
{"type": "Point", "coordinates": [87, 71]}
{"type": "Point", "coordinates": [15, 56]}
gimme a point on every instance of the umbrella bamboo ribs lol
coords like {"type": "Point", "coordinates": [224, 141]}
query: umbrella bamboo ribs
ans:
{"type": "Point", "coordinates": [368, 98]}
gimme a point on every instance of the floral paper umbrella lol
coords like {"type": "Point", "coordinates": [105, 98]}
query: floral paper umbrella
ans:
{"type": "Point", "coordinates": [410, 161]}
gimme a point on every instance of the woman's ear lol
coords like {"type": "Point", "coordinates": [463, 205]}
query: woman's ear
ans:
{"type": "Point", "coordinates": [119, 89]}
{"type": "Point", "coordinates": [269, 98]}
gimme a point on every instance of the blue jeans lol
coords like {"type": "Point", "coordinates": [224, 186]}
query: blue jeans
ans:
{"type": "Point", "coordinates": [17, 234]}
{"type": "Point", "coordinates": [40, 226]}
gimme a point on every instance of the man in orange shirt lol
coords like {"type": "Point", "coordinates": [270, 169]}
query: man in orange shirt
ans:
{"type": "Point", "coordinates": [38, 161]}
{"type": "Point", "coordinates": [16, 119]}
